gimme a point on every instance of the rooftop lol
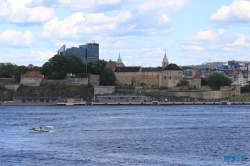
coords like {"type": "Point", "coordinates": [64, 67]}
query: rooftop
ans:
{"type": "Point", "coordinates": [128, 69]}
{"type": "Point", "coordinates": [172, 67]}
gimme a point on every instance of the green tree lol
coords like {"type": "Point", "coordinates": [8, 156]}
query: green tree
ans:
{"type": "Point", "coordinates": [98, 67]}
{"type": "Point", "coordinates": [46, 69]}
{"type": "Point", "coordinates": [89, 68]}
{"type": "Point", "coordinates": [203, 81]}
{"type": "Point", "coordinates": [216, 80]}
{"type": "Point", "coordinates": [57, 75]}
{"type": "Point", "coordinates": [245, 88]}
{"type": "Point", "coordinates": [18, 71]}
{"type": "Point", "coordinates": [107, 77]}
{"type": "Point", "coordinates": [182, 83]}
{"type": "Point", "coordinates": [81, 65]}
{"type": "Point", "coordinates": [9, 70]}
{"type": "Point", "coordinates": [60, 65]}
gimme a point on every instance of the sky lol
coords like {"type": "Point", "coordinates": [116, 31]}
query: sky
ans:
{"type": "Point", "coordinates": [190, 32]}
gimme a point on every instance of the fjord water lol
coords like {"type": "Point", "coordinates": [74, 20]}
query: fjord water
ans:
{"type": "Point", "coordinates": [124, 135]}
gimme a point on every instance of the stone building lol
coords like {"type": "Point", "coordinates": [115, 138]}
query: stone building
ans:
{"type": "Point", "coordinates": [168, 75]}
{"type": "Point", "coordinates": [113, 64]}
{"type": "Point", "coordinates": [195, 82]}
{"type": "Point", "coordinates": [32, 78]}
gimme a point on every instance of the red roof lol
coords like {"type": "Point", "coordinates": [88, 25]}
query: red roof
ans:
{"type": "Point", "coordinates": [33, 73]}
{"type": "Point", "coordinates": [196, 76]}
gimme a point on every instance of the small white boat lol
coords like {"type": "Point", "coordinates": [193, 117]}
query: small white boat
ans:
{"type": "Point", "coordinates": [39, 130]}
{"type": "Point", "coordinates": [225, 103]}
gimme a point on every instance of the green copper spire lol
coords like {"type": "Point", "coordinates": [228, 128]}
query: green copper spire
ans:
{"type": "Point", "coordinates": [119, 59]}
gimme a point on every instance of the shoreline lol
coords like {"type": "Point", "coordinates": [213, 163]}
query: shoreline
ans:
{"type": "Point", "coordinates": [122, 103]}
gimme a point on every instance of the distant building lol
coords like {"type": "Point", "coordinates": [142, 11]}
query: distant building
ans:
{"type": "Point", "coordinates": [30, 66]}
{"type": "Point", "coordinates": [87, 53]}
{"type": "Point", "coordinates": [189, 73]}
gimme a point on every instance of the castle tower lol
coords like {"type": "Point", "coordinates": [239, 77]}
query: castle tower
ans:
{"type": "Point", "coordinates": [165, 61]}
{"type": "Point", "coordinates": [119, 62]}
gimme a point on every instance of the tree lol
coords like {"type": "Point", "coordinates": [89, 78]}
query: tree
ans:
{"type": "Point", "coordinates": [216, 80]}
{"type": "Point", "coordinates": [18, 71]}
{"type": "Point", "coordinates": [46, 69]}
{"type": "Point", "coordinates": [107, 77]}
{"type": "Point", "coordinates": [98, 67]}
{"type": "Point", "coordinates": [9, 70]}
{"type": "Point", "coordinates": [182, 83]}
{"type": "Point", "coordinates": [203, 81]}
{"type": "Point", "coordinates": [60, 65]}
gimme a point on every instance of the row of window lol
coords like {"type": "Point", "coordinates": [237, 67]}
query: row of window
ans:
{"type": "Point", "coordinates": [172, 77]}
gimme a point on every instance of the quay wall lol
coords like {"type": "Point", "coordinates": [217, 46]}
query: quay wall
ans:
{"type": "Point", "coordinates": [69, 81]}
{"type": "Point", "coordinates": [14, 87]}
{"type": "Point", "coordinates": [203, 95]}
{"type": "Point", "coordinates": [99, 90]}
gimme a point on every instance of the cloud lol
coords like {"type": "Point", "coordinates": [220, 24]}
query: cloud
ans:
{"type": "Point", "coordinates": [13, 38]}
{"type": "Point", "coordinates": [37, 58]}
{"type": "Point", "coordinates": [193, 48]}
{"type": "Point", "coordinates": [241, 41]}
{"type": "Point", "coordinates": [78, 6]}
{"type": "Point", "coordinates": [237, 12]}
{"type": "Point", "coordinates": [113, 23]}
{"type": "Point", "coordinates": [156, 5]}
{"type": "Point", "coordinates": [80, 25]}
{"type": "Point", "coordinates": [15, 11]}
{"type": "Point", "coordinates": [207, 35]}
{"type": "Point", "coordinates": [63, 29]}
{"type": "Point", "coordinates": [119, 18]}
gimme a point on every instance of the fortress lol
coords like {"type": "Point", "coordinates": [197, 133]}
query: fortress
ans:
{"type": "Point", "coordinates": [168, 75]}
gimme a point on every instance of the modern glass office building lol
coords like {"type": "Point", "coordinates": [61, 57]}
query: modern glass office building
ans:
{"type": "Point", "coordinates": [87, 53]}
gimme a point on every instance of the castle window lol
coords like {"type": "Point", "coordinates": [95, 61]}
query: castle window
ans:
{"type": "Point", "coordinates": [170, 77]}
{"type": "Point", "coordinates": [165, 77]}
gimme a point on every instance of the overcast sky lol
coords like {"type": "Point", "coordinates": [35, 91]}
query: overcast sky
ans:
{"type": "Point", "coordinates": [189, 31]}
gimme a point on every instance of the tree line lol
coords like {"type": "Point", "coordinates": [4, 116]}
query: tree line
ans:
{"type": "Point", "coordinates": [58, 66]}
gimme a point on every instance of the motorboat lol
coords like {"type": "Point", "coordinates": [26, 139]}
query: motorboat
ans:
{"type": "Point", "coordinates": [225, 103]}
{"type": "Point", "coordinates": [40, 129]}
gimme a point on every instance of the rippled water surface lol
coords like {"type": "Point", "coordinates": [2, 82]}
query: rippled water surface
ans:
{"type": "Point", "coordinates": [124, 135]}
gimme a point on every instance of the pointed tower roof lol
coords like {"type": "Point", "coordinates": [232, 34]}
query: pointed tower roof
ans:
{"type": "Point", "coordinates": [165, 59]}
{"type": "Point", "coordinates": [235, 83]}
{"type": "Point", "coordinates": [119, 60]}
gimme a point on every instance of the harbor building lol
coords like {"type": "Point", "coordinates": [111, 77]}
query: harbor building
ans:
{"type": "Point", "coordinates": [87, 53]}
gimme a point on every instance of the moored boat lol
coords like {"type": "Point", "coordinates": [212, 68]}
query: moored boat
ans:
{"type": "Point", "coordinates": [225, 103]}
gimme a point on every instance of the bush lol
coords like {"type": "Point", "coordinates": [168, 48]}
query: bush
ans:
{"type": "Point", "coordinates": [245, 89]}
{"type": "Point", "coordinates": [22, 87]}
{"type": "Point", "coordinates": [163, 88]}
{"type": "Point", "coordinates": [57, 86]}
{"type": "Point", "coordinates": [90, 88]}
{"type": "Point", "coordinates": [2, 88]}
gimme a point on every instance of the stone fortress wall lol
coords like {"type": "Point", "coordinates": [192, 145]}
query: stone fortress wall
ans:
{"type": "Point", "coordinates": [31, 81]}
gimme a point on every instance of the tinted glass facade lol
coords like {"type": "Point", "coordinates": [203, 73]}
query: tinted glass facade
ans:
{"type": "Point", "coordinates": [87, 53]}
{"type": "Point", "coordinates": [61, 51]}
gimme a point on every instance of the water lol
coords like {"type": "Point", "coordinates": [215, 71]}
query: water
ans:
{"type": "Point", "coordinates": [124, 135]}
